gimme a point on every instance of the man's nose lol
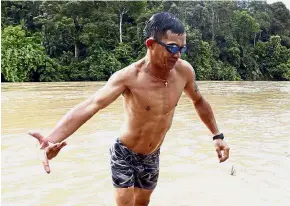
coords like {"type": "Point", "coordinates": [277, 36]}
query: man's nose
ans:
{"type": "Point", "coordinates": [177, 55]}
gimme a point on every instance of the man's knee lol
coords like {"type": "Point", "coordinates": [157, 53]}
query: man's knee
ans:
{"type": "Point", "coordinates": [125, 200]}
{"type": "Point", "coordinates": [142, 196]}
{"type": "Point", "coordinates": [141, 202]}
{"type": "Point", "coordinates": [125, 196]}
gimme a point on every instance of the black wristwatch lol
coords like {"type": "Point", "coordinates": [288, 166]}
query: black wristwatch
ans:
{"type": "Point", "coordinates": [219, 136]}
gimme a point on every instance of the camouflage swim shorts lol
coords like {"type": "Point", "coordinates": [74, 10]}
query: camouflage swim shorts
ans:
{"type": "Point", "coordinates": [131, 169]}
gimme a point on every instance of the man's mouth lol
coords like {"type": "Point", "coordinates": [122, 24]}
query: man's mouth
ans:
{"type": "Point", "coordinates": [172, 62]}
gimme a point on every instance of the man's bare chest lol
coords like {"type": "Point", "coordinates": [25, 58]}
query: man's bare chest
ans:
{"type": "Point", "coordinates": [155, 97]}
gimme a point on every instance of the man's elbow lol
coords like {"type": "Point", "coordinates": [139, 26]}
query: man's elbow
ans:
{"type": "Point", "coordinates": [198, 101]}
{"type": "Point", "coordinates": [97, 106]}
{"type": "Point", "coordinates": [100, 104]}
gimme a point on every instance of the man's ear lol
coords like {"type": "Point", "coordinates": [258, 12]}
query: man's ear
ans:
{"type": "Point", "coordinates": [149, 43]}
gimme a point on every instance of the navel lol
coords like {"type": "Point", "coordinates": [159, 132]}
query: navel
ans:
{"type": "Point", "coordinates": [148, 108]}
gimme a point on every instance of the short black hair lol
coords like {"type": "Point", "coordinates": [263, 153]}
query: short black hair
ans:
{"type": "Point", "coordinates": [160, 23]}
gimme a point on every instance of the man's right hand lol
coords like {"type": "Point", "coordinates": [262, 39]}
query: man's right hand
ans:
{"type": "Point", "coordinates": [50, 149]}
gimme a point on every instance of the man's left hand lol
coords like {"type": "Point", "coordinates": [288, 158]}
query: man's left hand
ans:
{"type": "Point", "coordinates": [222, 149]}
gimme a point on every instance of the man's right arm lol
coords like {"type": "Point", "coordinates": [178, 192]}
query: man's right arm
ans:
{"type": "Point", "coordinates": [81, 113]}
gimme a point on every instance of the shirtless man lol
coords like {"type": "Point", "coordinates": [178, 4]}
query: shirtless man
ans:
{"type": "Point", "coordinates": [151, 88]}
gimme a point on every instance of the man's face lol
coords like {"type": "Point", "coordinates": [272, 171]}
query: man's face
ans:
{"type": "Point", "coordinates": [161, 56]}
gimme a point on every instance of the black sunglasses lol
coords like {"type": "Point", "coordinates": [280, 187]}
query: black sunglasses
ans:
{"type": "Point", "coordinates": [172, 48]}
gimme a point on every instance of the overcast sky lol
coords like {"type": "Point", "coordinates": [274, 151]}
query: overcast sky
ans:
{"type": "Point", "coordinates": [286, 2]}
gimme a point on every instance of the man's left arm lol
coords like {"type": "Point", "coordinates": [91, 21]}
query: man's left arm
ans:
{"type": "Point", "coordinates": [205, 113]}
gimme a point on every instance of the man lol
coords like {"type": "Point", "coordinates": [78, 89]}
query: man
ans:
{"type": "Point", "coordinates": [151, 88]}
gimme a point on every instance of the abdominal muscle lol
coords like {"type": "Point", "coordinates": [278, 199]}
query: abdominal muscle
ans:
{"type": "Point", "coordinates": [144, 133]}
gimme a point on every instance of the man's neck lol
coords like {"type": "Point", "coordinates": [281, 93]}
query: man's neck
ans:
{"type": "Point", "coordinates": [155, 70]}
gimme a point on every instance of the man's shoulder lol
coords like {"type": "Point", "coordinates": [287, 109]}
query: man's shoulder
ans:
{"type": "Point", "coordinates": [129, 72]}
{"type": "Point", "coordinates": [184, 67]}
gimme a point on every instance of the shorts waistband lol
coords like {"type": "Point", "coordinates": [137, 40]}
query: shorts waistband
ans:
{"type": "Point", "coordinates": [137, 154]}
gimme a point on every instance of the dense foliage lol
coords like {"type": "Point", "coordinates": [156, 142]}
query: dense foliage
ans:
{"type": "Point", "coordinates": [90, 40]}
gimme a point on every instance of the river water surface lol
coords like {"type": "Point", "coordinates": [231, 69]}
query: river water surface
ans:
{"type": "Point", "coordinates": [254, 116]}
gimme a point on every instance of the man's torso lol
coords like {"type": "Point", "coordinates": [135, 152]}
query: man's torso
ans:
{"type": "Point", "coordinates": [149, 107]}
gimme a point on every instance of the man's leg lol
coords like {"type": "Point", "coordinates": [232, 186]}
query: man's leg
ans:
{"type": "Point", "coordinates": [122, 174]}
{"type": "Point", "coordinates": [124, 196]}
{"type": "Point", "coordinates": [146, 181]}
{"type": "Point", "coordinates": [142, 196]}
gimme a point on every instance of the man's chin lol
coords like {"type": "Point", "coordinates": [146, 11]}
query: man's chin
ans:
{"type": "Point", "coordinates": [171, 66]}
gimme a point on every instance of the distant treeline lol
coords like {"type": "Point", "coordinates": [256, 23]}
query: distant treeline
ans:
{"type": "Point", "coordinates": [90, 40]}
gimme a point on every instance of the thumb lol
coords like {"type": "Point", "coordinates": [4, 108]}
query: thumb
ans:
{"type": "Point", "coordinates": [38, 136]}
{"type": "Point", "coordinates": [61, 145]}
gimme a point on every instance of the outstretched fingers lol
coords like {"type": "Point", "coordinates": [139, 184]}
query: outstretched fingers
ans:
{"type": "Point", "coordinates": [50, 149]}
{"type": "Point", "coordinates": [54, 149]}
{"type": "Point", "coordinates": [46, 163]}
{"type": "Point", "coordinates": [59, 147]}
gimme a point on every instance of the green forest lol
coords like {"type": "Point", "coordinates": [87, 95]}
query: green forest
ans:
{"type": "Point", "coordinates": [45, 41]}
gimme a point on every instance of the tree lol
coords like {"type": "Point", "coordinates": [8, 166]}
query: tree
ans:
{"type": "Point", "coordinates": [199, 55]}
{"type": "Point", "coordinates": [244, 27]}
{"type": "Point", "coordinates": [280, 19]}
{"type": "Point", "coordinates": [88, 40]}
{"type": "Point", "coordinates": [63, 24]}
{"type": "Point", "coordinates": [260, 11]}
{"type": "Point", "coordinates": [22, 56]}
{"type": "Point", "coordinates": [273, 59]}
{"type": "Point", "coordinates": [131, 9]}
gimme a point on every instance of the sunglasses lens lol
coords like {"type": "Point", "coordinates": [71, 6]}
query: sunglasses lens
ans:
{"type": "Point", "coordinates": [183, 49]}
{"type": "Point", "coordinates": [173, 49]}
